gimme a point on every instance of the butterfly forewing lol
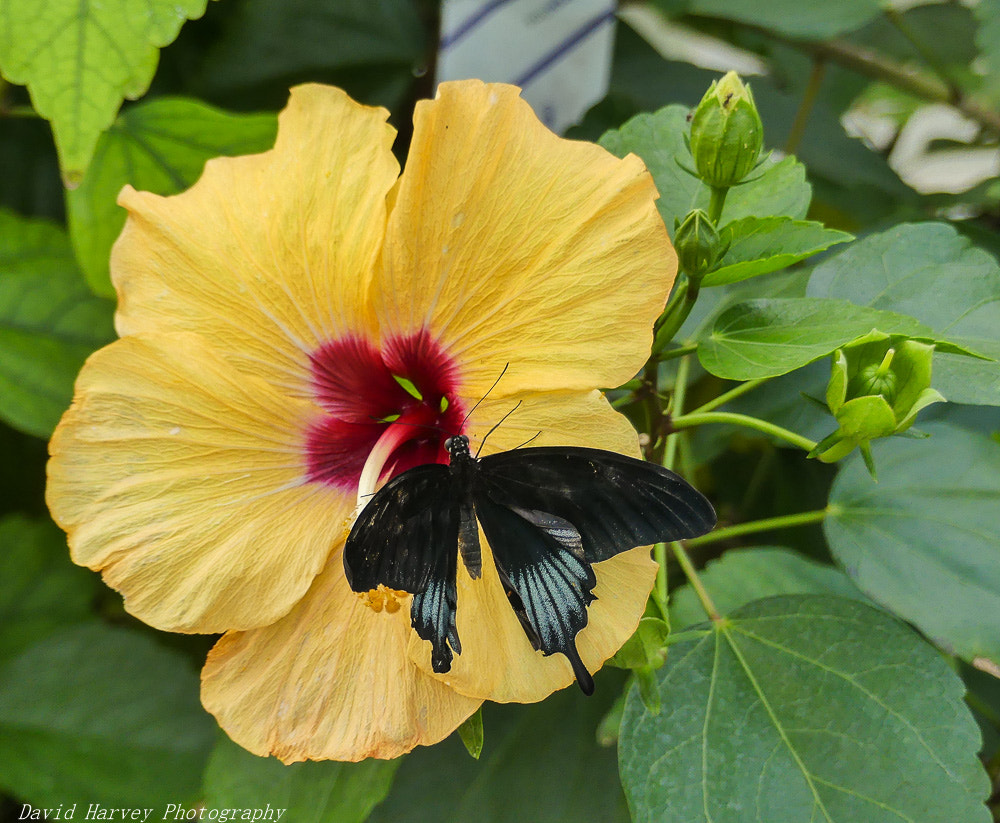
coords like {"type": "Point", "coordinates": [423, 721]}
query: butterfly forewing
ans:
{"type": "Point", "coordinates": [399, 535]}
{"type": "Point", "coordinates": [615, 502]}
{"type": "Point", "coordinates": [406, 538]}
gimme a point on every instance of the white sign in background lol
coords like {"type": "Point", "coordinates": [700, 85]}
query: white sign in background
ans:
{"type": "Point", "coordinates": [557, 51]}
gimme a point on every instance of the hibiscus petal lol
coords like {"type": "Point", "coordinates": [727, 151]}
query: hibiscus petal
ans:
{"type": "Point", "coordinates": [331, 680]}
{"type": "Point", "coordinates": [512, 245]}
{"type": "Point", "coordinates": [497, 661]}
{"type": "Point", "coordinates": [183, 482]}
{"type": "Point", "coordinates": [267, 256]}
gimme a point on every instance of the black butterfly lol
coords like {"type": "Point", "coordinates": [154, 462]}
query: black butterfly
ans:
{"type": "Point", "coordinates": [548, 513]}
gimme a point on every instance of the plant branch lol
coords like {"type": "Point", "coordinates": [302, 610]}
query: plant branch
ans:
{"type": "Point", "coordinates": [785, 521]}
{"type": "Point", "coordinates": [732, 394]}
{"type": "Point", "coordinates": [878, 66]}
{"type": "Point", "coordinates": [687, 421]}
{"type": "Point", "coordinates": [806, 106]}
{"type": "Point", "coordinates": [904, 28]}
{"type": "Point", "coordinates": [695, 580]}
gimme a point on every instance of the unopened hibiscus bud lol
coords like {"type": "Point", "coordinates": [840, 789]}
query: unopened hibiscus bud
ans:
{"type": "Point", "coordinates": [726, 133]}
{"type": "Point", "coordinates": [698, 245]}
{"type": "Point", "coordinates": [877, 386]}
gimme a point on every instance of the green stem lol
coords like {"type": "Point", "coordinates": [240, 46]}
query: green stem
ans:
{"type": "Point", "coordinates": [698, 419]}
{"type": "Point", "coordinates": [669, 453]}
{"type": "Point", "coordinates": [716, 200]}
{"type": "Point", "coordinates": [676, 408]}
{"type": "Point", "coordinates": [806, 106]}
{"type": "Point", "coordinates": [673, 317]}
{"type": "Point", "coordinates": [695, 580]}
{"type": "Point", "coordinates": [681, 351]}
{"type": "Point", "coordinates": [785, 521]}
{"type": "Point", "coordinates": [730, 395]}
{"type": "Point", "coordinates": [661, 591]}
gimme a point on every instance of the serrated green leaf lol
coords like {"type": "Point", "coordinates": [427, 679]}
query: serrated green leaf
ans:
{"type": "Point", "coordinates": [96, 714]}
{"type": "Point", "coordinates": [793, 17]}
{"type": "Point", "coordinates": [49, 323]}
{"type": "Point", "coordinates": [769, 337]}
{"type": "Point", "coordinates": [160, 146]}
{"type": "Point", "coordinates": [744, 575]}
{"type": "Point", "coordinates": [40, 589]}
{"type": "Point", "coordinates": [324, 792]}
{"type": "Point", "coordinates": [658, 138]}
{"type": "Point", "coordinates": [931, 272]}
{"type": "Point", "coordinates": [760, 245]}
{"type": "Point", "coordinates": [805, 708]}
{"type": "Point", "coordinates": [925, 540]}
{"type": "Point", "coordinates": [79, 60]}
{"type": "Point", "coordinates": [541, 763]}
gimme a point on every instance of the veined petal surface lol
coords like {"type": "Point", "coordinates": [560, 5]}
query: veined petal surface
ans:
{"type": "Point", "coordinates": [497, 661]}
{"type": "Point", "coordinates": [331, 680]}
{"type": "Point", "coordinates": [270, 255]}
{"type": "Point", "coordinates": [512, 245]}
{"type": "Point", "coordinates": [182, 481]}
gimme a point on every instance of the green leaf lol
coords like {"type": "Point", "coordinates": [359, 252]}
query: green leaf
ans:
{"type": "Point", "coordinates": [159, 146]}
{"type": "Point", "coordinates": [931, 272]}
{"type": "Point", "coordinates": [761, 245]}
{"type": "Point", "coordinates": [925, 540]}
{"type": "Point", "coordinates": [373, 48]}
{"type": "Point", "coordinates": [40, 589]}
{"type": "Point", "coordinates": [658, 138]}
{"type": "Point", "coordinates": [743, 575]}
{"type": "Point", "coordinates": [646, 648]}
{"type": "Point", "coordinates": [988, 44]}
{"type": "Point", "coordinates": [793, 17]}
{"type": "Point", "coordinates": [324, 792]}
{"type": "Point", "coordinates": [541, 763]}
{"type": "Point", "coordinates": [49, 323]}
{"type": "Point", "coordinates": [96, 714]}
{"type": "Point", "coordinates": [768, 337]}
{"type": "Point", "coordinates": [805, 708]}
{"type": "Point", "coordinates": [79, 59]}
{"type": "Point", "coordinates": [472, 734]}
{"type": "Point", "coordinates": [22, 472]}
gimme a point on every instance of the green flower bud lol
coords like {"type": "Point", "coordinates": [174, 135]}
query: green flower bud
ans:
{"type": "Point", "coordinates": [698, 245]}
{"type": "Point", "coordinates": [726, 133]}
{"type": "Point", "coordinates": [875, 379]}
{"type": "Point", "coordinates": [877, 386]}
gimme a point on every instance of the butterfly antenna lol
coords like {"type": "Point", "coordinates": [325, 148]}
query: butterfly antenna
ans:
{"type": "Point", "coordinates": [496, 426]}
{"type": "Point", "coordinates": [481, 399]}
{"type": "Point", "coordinates": [526, 442]}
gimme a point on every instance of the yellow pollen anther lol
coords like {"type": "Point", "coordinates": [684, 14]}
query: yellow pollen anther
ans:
{"type": "Point", "coordinates": [382, 598]}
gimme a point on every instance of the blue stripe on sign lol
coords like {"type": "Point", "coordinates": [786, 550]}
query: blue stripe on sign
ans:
{"type": "Point", "coordinates": [567, 45]}
{"type": "Point", "coordinates": [448, 40]}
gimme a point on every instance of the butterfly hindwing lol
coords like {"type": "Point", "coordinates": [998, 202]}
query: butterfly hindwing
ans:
{"type": "Point", "coordinates": [406, 538]}
{"type": "Point", "coordinates": [615, 502]}
{"type": "Point", "coordinates": [549, 583]}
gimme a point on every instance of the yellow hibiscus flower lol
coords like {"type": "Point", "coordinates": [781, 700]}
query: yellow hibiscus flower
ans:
{"type": "Point", "coordinates": [301, 313]}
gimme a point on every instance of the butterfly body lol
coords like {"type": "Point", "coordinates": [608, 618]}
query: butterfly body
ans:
{"type": "Point", "coordinates": [548, 514]}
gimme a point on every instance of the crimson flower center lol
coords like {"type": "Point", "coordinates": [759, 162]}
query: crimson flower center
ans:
{"type": "Point", "coordinates": [409, 384]}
